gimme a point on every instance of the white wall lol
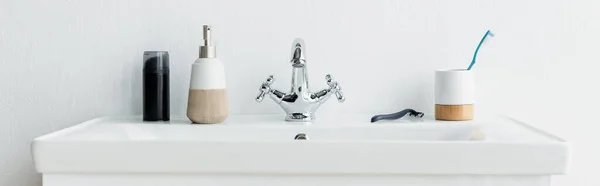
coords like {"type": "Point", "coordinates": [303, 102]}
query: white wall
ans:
{"type": "Point", "coordinates": [64, 62]}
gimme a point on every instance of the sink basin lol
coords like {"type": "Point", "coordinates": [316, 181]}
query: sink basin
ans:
{"type": "Point", "coordinates": [264, 145]}
{"type": "Point", "coordinates": [337, 145]}
{"type": "Point", "coordinates": [253, 129]}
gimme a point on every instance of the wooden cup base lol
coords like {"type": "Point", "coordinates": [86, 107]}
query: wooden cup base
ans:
{"type": "Point", "coordinates": [454, 112]}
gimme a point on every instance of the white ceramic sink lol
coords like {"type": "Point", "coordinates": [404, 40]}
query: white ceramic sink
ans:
{"type": "Point", "coordinates": [265, 144]}
{"type": "Point", "coordinates": [254, 129]}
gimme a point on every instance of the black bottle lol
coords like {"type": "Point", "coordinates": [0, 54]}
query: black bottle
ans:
{"type": "Point", "coordinates": [156, 86]}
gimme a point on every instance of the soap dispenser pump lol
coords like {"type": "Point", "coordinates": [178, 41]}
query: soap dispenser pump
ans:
{"type": "Point", "coordinates": [207, 101]}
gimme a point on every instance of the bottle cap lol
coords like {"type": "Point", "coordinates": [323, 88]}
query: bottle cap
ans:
{"type": "Point", "coordinates": [207, 50]}
{"type": "Point", "coordinates": [156, 61]}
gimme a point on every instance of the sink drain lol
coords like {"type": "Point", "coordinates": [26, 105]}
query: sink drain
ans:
{"type": "Point", "coordinates": [300, 136]}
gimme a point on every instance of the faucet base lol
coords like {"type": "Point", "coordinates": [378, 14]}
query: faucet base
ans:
{"type": "Point", "coordinates": [299, 117]}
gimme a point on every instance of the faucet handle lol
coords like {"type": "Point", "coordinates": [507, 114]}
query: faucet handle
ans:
{"type": "Point", "coordinates": [335, 87]}
{"type": "Point", "coordinates": [265, 88]}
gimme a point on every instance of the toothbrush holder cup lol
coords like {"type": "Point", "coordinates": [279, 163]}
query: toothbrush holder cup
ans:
{"type": "Point", "coordinates": [454, 94]}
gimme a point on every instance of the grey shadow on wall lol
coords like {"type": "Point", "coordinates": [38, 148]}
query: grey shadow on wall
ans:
{"type": "Point", "coordinates": [135, 81]}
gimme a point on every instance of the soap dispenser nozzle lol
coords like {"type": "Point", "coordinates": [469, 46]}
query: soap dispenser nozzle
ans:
{"type": "Point", "coordinates": [207, 50]}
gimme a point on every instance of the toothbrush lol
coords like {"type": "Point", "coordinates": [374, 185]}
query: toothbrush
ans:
{"type": "Point", "coordinates": [488, 33]}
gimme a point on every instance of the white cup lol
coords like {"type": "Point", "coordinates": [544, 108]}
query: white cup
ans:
{"type": "Point", "coordinates": [454, 94]}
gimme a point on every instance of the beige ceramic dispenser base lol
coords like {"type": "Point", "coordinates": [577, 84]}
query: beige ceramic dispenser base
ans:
{"type": "Point", "coordinates": [208, 106]}
{"type": "Point", "coordinates": [454, 112]}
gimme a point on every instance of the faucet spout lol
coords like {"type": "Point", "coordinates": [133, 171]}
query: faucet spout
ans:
{"type": "Point", "coordinates": [298, 53]}
{"type": "Point", "coordinates": [299, 74]}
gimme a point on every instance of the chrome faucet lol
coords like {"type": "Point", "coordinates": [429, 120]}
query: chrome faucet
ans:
{"type": "Point", "coordinates": [300, 104]}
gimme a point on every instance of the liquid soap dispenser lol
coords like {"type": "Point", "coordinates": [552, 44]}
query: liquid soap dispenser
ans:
{"type": "Point", "coordinates": [207, 101]}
